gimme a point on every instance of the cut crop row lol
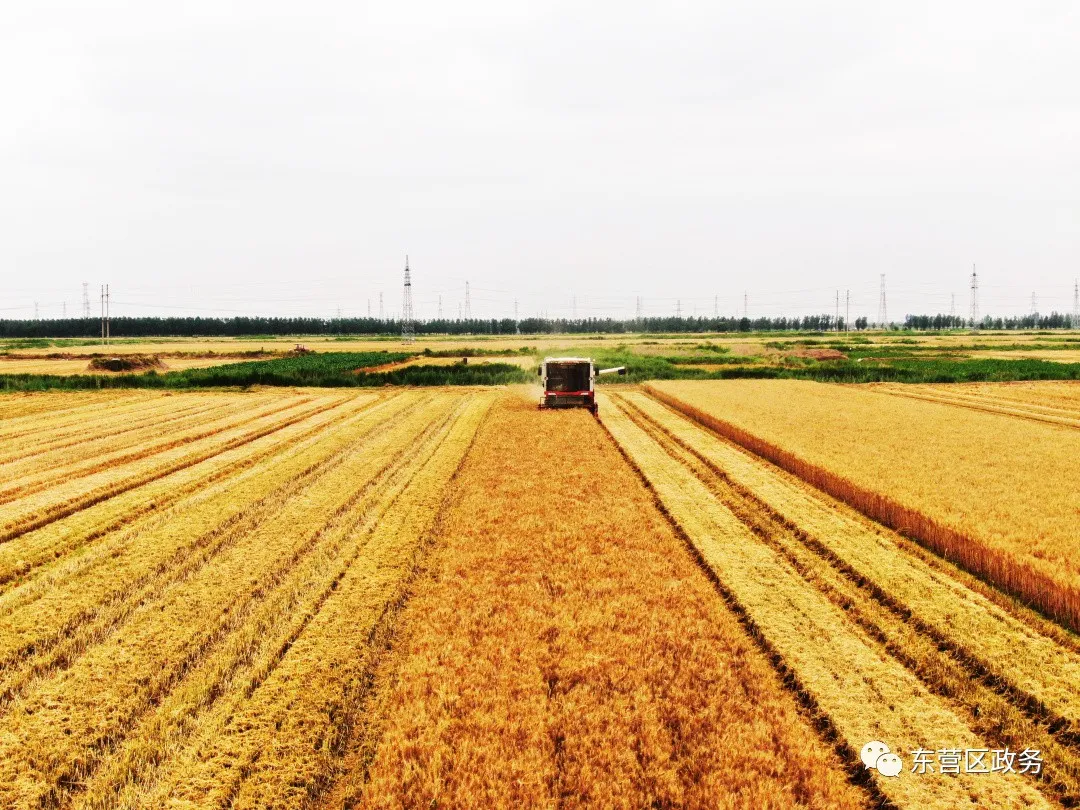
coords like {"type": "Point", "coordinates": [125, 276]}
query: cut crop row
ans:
{"type": "Point", "coordinates": [113, 431]}
{"type": "Point", "coordinates": [81, 713]}
{"type": "Point", "coordinates": [130, 510]}
{"type": "Point", "coordinates": [1017, 684]}
{"type": "Point", "coordinates": [51, 619]}
{"type": "Point", "coordinates": [981, 490]}
{"type": "Point", "coordinates": [865, 693]}
{"type": "Point", "coordinates": [37, 510]}
{"type": "Point", "coordinates": [38, 475]}
{"type": "Point", "coordinates": [282, 746]}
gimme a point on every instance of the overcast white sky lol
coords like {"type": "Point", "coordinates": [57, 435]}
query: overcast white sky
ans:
{"type": "Point", "coordinates": [224, 158]}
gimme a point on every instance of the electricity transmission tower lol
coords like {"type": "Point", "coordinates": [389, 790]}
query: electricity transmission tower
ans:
{"type": "Point", "coordinates": [678, 308]}
{"type": "Point", "coordinates": [1034, 308]}
{"type": "Point", "coordinates": [440, 307]}
{"type": "Point", "coordinates": [408, 330]}
{"type": "Point", "coordinates": [85, 300]}
{"type": "Point", "coordinates": [639, 310]}
{"type": "Point", "coordinates": [716, 306]}
{"type": "Point", "coordinates": [35, 310]}
{"type": "Point", "coordinates": [380, 307]}
{"type": "Point", "coordinates": [974, 298]}
{"type": "Point", "coordinates": [745, 305]}
{"type": "Point", "coordinates": [882, 312]}
{"type": "Point", "coordinates": [468, 303]}
{"type": "Point", "coordinates": [517, 323]}
{"type": "Point", "coordinates": [1076, 305]}
{"type": "Point", "coordinates": [105, 319]}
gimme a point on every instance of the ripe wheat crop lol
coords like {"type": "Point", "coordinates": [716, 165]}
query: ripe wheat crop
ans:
{"type": "Point", "coordinates": [566, 651]}
{"type": "Point", "coordinates": [1056, 403]}
{"type": "Point", "coordinates": [866, 694]}
{"type": "Point", "coordinates": [987, 491]}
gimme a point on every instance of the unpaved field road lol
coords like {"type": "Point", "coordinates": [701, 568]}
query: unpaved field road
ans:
{"type": "Point", "coordinates": [890, 643]}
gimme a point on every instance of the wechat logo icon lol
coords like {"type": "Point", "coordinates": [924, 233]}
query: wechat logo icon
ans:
{"type": "Point", "coordinates": [877, 756]}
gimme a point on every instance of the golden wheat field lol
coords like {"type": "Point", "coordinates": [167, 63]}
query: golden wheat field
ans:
{"type": "Point", "coordinates": [444, 597]}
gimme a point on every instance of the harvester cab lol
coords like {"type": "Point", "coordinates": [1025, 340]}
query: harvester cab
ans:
{"type": "Point", "coordinates": [568, 382]}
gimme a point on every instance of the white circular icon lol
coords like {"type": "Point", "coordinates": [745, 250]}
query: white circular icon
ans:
{"type": "Point", "coordinates": [889, 765]}
{"type": "Point", "coordinates": [871, 751]}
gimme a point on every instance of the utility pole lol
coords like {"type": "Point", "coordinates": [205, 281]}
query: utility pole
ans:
{"type": "Point", "coordinates": [85, 300]}
{"type": "Point", "coordinates": [883, 315]}
{"type": "Point", "coordinates": [369, 307]}
{"type": "Point", "coordinates": [837, 323]}
{"type": "Point", "coordinates": [974, 299]}
{"type": "Point", "coordinates": [468, 303]}
{"type": "Point", "coordinates": [102, 314]}
{"type": "Point", "coordinates": [108, 316]}
{"type": "Point", "coordinates": [440, 307]}
{"type": "Point", "coordinates": [1076, 305]}
{"type": "Point", "coordinates": [952, 310]}
{"type": "Point", "coordinates": [847, 312]}
{"type": "Point", "coordinates": [745, 305]}
{"type": "Point", "coordinates": [517, 323]}
{"type": "Point", "coordinates": [408, 330]}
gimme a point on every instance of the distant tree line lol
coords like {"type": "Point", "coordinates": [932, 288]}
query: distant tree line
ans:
{"type": "Point", "coordinates": [1054, 320]}
{"type": "Point", "coordinates": [243, 326]}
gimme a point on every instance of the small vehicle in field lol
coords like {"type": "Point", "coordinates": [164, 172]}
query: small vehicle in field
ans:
{"type": "Point", "coordinates": [568, 382]}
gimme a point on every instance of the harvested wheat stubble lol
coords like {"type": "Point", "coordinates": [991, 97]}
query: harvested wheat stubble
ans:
{"type": "Point", "coordinates": [89, 408]}
{"type": "Point", "coordinates": [131, 510]}
{"type": "Point", "coordinates": [59, 730]}
{"type": "Point", "coordinates": [68, 497]}
{"type": "Point", "coordinates": [32, 473]}
{"type": "Point", "coordinates": [567, 651]}
{"type": "Point", "coordinates": [70, 605]}
{"type": "Point", "coordinates": [14, 406]}
{"type": "Point", "coordinates": [1015, 674]}
{"type": "Point", "coordinates": [284, 745]}
{"type": "Point", "coordinates": [113, 428]}
{"type": "Point", "coordinates": [986, 491]}
{"type": "Point", "coordinates": [865, 693]}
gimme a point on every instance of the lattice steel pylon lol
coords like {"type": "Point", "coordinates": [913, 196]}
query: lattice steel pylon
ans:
{"type": "Point", "coordinates": [974, 298]}
{"type": "Point", "coordinates": [1076, 305]}
{"type": "Point", "coordinates": [882, 311]}
{"type": "Point", "coordinates": [408, 329]}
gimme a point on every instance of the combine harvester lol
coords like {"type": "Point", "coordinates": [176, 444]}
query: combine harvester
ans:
{"type": "Point", "coordinates": [568, 382]}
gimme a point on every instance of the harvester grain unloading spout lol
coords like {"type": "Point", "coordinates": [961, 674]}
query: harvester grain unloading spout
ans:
{"type": "Point", "coordinates": [568, 382]}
